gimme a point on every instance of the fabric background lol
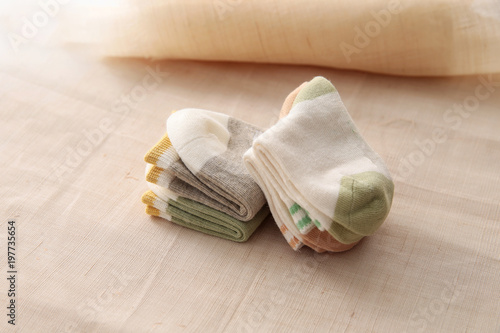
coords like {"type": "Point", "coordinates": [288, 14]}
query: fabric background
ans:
{"type": "Point", "coordinates": [411, 37]}
{"type": "Point", "coordinates": [90, 259]}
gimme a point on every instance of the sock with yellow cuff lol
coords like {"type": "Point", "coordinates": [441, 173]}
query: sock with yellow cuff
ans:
{"type": "Point", "coordinates": [211, 171]}
{"type": "Point", "coordinates": [190, 214]}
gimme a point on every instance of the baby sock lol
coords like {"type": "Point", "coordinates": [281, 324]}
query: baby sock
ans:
{"type": "Point", "coordinates": [169, 171]}
{"type": "Point", "coordinates": [182, 182]}
{"type": "Point", "coordinates": [322, 239]}
{"type": "Point", "coordinates": [162, 154]}
{"type": "Point", "coordinates": [321, 163]}
{"type": "Point", "coordinates": [279, 211]}
{"type": "Point", "coordinates": [164, 203]}
{"type": "Point", "coordinates": [166, 169]}
{"type": "Point", "coordinates": [211, 146]}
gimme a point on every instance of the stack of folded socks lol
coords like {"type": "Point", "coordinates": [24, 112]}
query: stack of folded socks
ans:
{"type": "Point", "coordinates": [327, 189]}
{"type": "Point", "coordinates": [197, 179]}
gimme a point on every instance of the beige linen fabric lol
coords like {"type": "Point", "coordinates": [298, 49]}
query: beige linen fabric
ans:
{"type": "Point", "coordinates": [73, 133]}
{"type": "Point", "coordinates": [410, 37]}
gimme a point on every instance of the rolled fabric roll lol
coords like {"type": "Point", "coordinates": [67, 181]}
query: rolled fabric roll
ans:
{"type": "Point", "coordinates": [414, 37]}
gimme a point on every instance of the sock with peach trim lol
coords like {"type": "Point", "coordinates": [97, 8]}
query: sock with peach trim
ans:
{"type": "Point", "coordinates": [321, 163]}
{"type": "Point", "coordinates": [321, 239]}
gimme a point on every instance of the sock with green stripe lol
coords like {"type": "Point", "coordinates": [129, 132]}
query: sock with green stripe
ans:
{"type": "Point", "coordinates": [277, 206]}
{"type": "Point", "coordinates": [188, 213]}
{"type": "Point", "coordinates": [215, 145]}
{"type": "Point", "coordinates": [181, 181]}
{"type": "Point", "coordinates": [210, 146]}
{"type": "Point", "coordinates": [321, 238]}
{"type": "Point", "coordinates": [320, 241]}
{"type": "Point", "coordinates": [320, 162]}
{"type": "Point", "coordinates": [166, 169]}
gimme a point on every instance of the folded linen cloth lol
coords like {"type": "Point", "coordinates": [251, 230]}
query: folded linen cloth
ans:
{"type": "Point", "coordinates": [191, 214]}
{"type": "Point", "coordinates": [318, 172]}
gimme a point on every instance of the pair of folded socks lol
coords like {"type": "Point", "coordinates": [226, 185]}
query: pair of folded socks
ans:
{"type": "Point", "coordinates": [197, 179]}
{"type": "Point", "coordinates": [326, 188]}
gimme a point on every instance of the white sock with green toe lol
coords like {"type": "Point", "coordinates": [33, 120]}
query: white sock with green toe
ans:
{"type": "Point", "coordinates": [324, 167]}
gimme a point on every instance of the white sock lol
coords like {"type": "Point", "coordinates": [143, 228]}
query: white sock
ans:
{"type": "Point", "coordinates": [321, 163]}
{"type": "Point", "coordinates": [276, 205]}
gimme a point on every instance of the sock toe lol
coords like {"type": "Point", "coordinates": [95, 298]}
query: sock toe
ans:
{"type": "Point", "coordinates": [364, 202]}
{"type": "Point", "coordinates": [316, 87]}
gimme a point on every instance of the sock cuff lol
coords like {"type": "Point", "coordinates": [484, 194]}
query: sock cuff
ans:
{"type": "Point", "coordinates": [150, 210]}
{"type": "Point", "coordinates": [159, 176]}
{"type": "Point", "coordinates": [155, 206]}
{"type": "Point", "coordinates": [148, 198]}
{"type": "Point", "coordinates": [151, 199]}
{"type": "Point", "coordinates": [163, 193]}
{"type": "Point", "coordinates": [162, 154]}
